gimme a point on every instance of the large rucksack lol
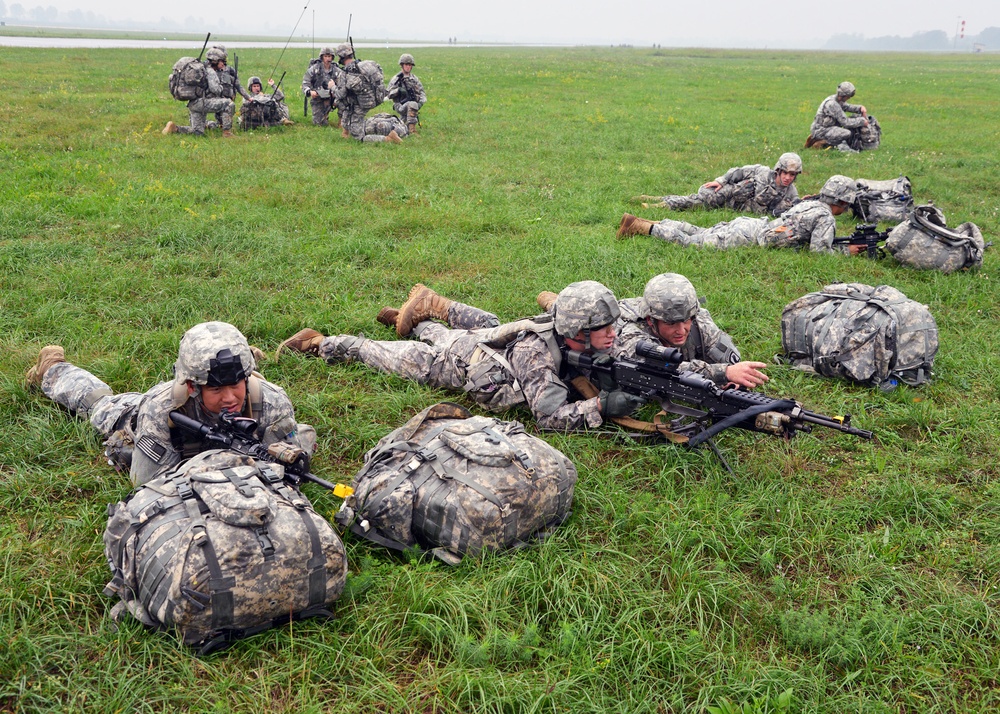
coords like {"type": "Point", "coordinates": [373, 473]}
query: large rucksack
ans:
{"type": "Point", "coordinates": [457, 484]}
{"type": "Point", "coordinates": [867, 138]}
{"type": "Point", "coordinates": [220, 549]}
{"type": "Point", "coordinates": [924, 241]}
{"type": "Point", "coordinates": [188, 80]}
{"type": "Point", "coordinates": [374, 91]}
{"type": "Point", "coordinates": [257, 112]}
{"type": "Point", "coordinates": [871, 335]}
{"type": "Point", "coordinates": [883, 201]}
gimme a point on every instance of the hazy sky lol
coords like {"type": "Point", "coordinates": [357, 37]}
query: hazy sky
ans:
{"type": "Point", "coordinates": [771, 23]}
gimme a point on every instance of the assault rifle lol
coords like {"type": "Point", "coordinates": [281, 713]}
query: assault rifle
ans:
{"type": "Point", "coordinates": [868, 236]}
{"type": "Point", "coordinates": [207, 37]}
{"type": "Point", "coordinates": [703, 408]}
{"type": "Point", "coordinates": [236, 434]}
{"type": "Point", "coordinates": [405, 93]}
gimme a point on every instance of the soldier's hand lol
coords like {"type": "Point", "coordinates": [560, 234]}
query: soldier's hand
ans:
{"type": "Point", "coordinates": [618, 403]}
{"type": "Point", "coordinates": [856, 249]}
{"type": "Point", "coordinates": [314, 94]}
{"type": "Point", "coordinates": [270, 82]}
{"type": "Point", "coordinates": [603, 379]}
{"type": "Point", "coordinates": [747, 374]}
{"type": "Point", "coordinates": [714, 185]}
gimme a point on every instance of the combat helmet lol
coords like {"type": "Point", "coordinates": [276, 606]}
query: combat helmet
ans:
{"type": "Point", "coordinates": [344, 50]}
{"type": "Point", "coordinates": [406, 58]}
{"type": "Point", "coordinates": [215, 54]}
{"type": "Point", "coordinates": [790, 162]}
{"type": "Point", "coordinates": [845, 89]}
{"type": "Point", "coordinates": [254, 80]}
{"type": "Point", "coordinates": [213, 354]}
{"type": "Point", "coordinates": [670, 297]}
{"type": "Point", "coordinates": [584, 306]}
{"type": "Point", "coordinates": [328, 51]}
{"type": "Point", "coordinates": [838, 189]}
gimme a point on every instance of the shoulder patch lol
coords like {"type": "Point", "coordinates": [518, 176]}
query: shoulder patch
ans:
{"type": "Point", "coordinates": [151, 448]}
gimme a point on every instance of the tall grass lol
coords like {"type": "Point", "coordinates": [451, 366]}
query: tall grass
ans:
{"type": "Point", "coordinates": [862, 577]}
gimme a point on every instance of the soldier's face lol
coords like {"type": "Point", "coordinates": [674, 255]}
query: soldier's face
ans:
{"type": "Point", "coordinates": [672, 334]}
{"type": "Point", "coordinates": [786, 178]}
{"type": "Point", "coordinates": [255, 89]}
{"type": "Point", "coordinates": [601, 339]}
{"type": "Point", "coordinates": [837, 208]}
{"type": "Point", "coordinates": [407, 68]}
{"type": "Point", "coordinates": [229, 397]}
{"type": "Point", "coordinates": [327, 60]}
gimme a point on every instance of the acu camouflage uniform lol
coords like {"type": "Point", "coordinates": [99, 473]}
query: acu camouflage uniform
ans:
{"type": "Point", "coordinates": [707, 351]}
{"type": "Point", "coordinates": [158, 447]}
{"type": "Point", "coordinates": [809, 223]}
{"type": "Point", "coordinates": [752, 189]}
{"type": "Point", "coordinates": [353, 92]}
{"type": "Point", "coordinates": [407, 95]}
{"type": "Point", "coordinates": [214, 102]}
{"type": "Point", "coordinates": [317, 78]}
{"type": "Point", "coordinates": [460, 358]}
{"type": "Point", "coordinates": [832, 124]}
{"type": "Point", "coordinates": [230, 86]}
{"type": "Point", "coordinates": [384, 124]}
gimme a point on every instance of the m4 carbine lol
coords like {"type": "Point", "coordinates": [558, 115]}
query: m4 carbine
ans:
{"type": "Point", "coordinates": [868, 236]}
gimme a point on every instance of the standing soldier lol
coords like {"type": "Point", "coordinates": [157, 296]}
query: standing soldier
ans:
{"type": "Point", "coordinates": [318, 84]}
{"type": "Point", "coordinates": [359, 88]}
{"type": "Point", "coordinates": [832, 126]}
{"type": "Point", "coordinates": [754, 188]}
{"type": "Point", "coordinates": [211, 102]}
{"type": "Point", "coordinates": [407, 93]}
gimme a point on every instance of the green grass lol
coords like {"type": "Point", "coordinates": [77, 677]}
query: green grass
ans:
{"type": "Point", "coordinates": [859, 576]}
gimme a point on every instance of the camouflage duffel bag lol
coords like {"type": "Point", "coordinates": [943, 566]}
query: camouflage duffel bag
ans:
{"type": "Point", "coordinates": [883, 201]}
{"type": "Point", "coordinates": [924, 241]}
{"type": "Point", "coordinates": [873, 336]}
{"type": "Point", "coordinates": [220, 549]}
{"type": "Point", "coordinates": [456, 484]}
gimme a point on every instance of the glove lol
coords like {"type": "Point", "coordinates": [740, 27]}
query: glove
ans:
{"type": "Point", "coordinates": [603, 379]}
{"type": "Point", "coordinates": [619, 403]}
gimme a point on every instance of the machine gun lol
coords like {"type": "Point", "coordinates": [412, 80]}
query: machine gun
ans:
{"type": "Point", "coordinates": [703, 408]}
{"type": "Point", "coordinates": [236, 434]}
{"type": "Point", "coordinates": [868, 236]}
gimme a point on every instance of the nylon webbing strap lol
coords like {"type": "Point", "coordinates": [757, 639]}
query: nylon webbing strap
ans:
{"type": "Point", "coordinates": [317, 563]}
{"type": "Point", "coordinates": [238, 482]}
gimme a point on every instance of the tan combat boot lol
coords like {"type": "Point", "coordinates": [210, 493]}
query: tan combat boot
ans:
{"type": "Point", "coordinates": [227, 133]}
{"type": "Point", "coordinates": [344, 134]}
{"type": "Point", "coordinates": [258, 354]}
{"type": "Point", "coordinates": [393, 138]}
{"type": "Point", "coordinates": [48, 356]}
{"type": "Point", "coordinates": [633, 226]}
{"type": "Point", "coordinates": [387, 316]}
{"type": "Point", "coordinates": [170, 128]}
{"type": "Point", "coordinates": [287, 122]}
{"type": "Point", "coordinates": [306, 341]}
{"type": "Point", "coordinates": [545, 300]}
{"type": "Point", "coordinates": [422, 304]}
{"type": "Point", "coordinates": [411, 122]}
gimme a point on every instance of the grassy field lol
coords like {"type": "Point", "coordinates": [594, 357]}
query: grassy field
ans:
{"type": "Point", "coordinates": [828, 575]}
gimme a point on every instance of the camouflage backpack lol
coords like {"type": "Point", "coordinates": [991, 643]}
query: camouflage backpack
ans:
{"type": "Point", "coordinates": [883, 201]}
{"type": "Point", "coordinates": [373, 91]}
{"type": "Point", "coordinates": [220, 549]}
{"type": "Point", "coordinates": [457, 484]}
{"type": "Point", "coordinates": [256, 113]}
{"type": "Point", "coordinates": [873, 336]}
{"type": "Point", "coordinates": [188, 80]}
{"type": "Point", "coordinates": [924, 241]}
{"type": "Point", "coordinates": [383, 124]}
{"type": "Point", "coordinates": [868, 138]}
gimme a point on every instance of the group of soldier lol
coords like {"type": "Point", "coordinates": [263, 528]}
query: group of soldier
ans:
{"type": "Point", "coordinates": [770, 192]}
{"type": "Point", "coordinates": [348, 86]}
{"type": "Point", "coordinates": [452, 345]}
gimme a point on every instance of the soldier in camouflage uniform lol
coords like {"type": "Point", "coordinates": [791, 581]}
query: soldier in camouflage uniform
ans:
{"type": "Point", "coordinates": [275, 111]}
{"type": "Point", "coordinates": [213, 372]}
{"type": "Point", "coordinates": [523, 362]}
{"type": "Point", "coordinates": [407, 93]}
{"type": "Point", "coordinates": [212, 102]}
{"type": "Point", "coordinates": [832, 126]}
{"type": "Point", "coordinates": [318, 84]}
{"type": "Point", "coordinates": [351, 94]}
{"type": "Point", "coordinates": [384, 124]}
{"type": "Point", "coordinates": [751, 189]}
{"type": "Point", "coordinates": [809, 223]}
{"type": "Point", "coordinates": [230, 86]}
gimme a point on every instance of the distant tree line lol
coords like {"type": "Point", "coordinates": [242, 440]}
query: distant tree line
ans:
{"type": "Point", "coordinates": [934, 40]}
